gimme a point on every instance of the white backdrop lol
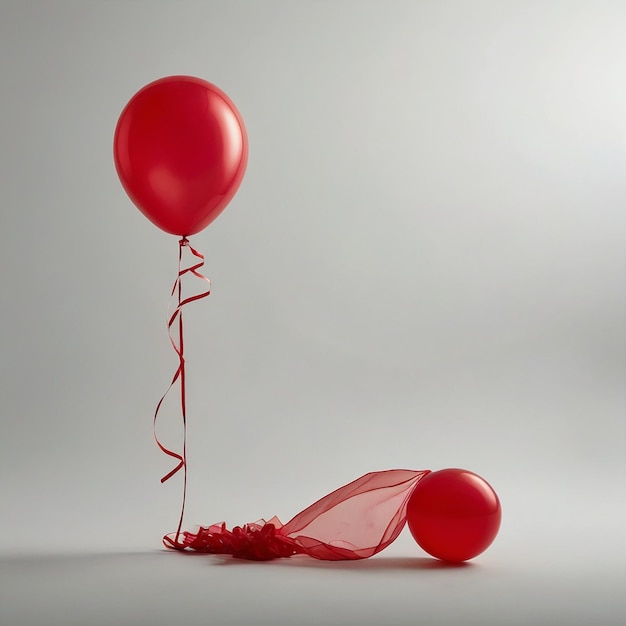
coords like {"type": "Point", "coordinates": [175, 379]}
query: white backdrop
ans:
{"type": "Point", "coordinates": [423, 268]}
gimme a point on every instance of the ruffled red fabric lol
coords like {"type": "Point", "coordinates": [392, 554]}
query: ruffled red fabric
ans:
{"type": "Point", "coordinates": [355, 521]}
{"type": "Point", "coordinates": [258, 541]}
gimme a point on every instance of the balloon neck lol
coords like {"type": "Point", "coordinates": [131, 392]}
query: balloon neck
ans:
{"type": "Point", "coordinates": [184, 241]}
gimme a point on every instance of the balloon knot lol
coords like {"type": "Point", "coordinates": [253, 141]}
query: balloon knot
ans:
{"type": "Point", "coordinates": [184, 241]}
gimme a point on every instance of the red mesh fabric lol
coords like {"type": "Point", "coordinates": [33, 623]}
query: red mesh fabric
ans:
{"type": "Point", "coordinates": [357, 520]}
{"type": "Point", "coordinates": [353, 522]}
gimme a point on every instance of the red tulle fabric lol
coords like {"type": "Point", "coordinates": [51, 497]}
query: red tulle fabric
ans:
{"type": "Point", "coordinates": [355, 521]}
{"type": "Point", "coordinates": [258, 541]}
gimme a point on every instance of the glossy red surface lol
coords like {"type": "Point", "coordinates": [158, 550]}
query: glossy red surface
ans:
{"type": "Point", "coordinates": [180, 151]}
{"type": "Point", "coordinates": [454, 514]}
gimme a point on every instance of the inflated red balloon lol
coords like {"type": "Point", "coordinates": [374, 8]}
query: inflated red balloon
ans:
{"type": "Point", "coordinates": [454, 514]}
{"type": "Point", "coordinates": [180, 151]}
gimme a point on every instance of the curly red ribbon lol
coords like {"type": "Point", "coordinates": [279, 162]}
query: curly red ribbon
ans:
{"type": "Point", "coordinates": [179, 375]}
{"type": "Point", "coordinates": [355, 521]}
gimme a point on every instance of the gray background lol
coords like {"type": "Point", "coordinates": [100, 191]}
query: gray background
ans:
{"type": "Point", "coordinates": [423, 268]}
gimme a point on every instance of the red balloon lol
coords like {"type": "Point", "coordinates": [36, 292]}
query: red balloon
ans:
{"type": "Point", "coordinates": [180, 151]}
{"type": "Point", "coordinates": [454, 514]}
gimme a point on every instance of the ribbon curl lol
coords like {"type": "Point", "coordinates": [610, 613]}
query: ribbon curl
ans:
{"type": "Point", "coordinates": [355, 521]}
{"type": "Point", "coordinates": [179, 347]}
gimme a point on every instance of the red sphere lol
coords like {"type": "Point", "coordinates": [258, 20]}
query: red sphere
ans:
{"type": "Point", "coordinates": [180, 150]}
{"type": "Point", "coordinates": [454, 514]}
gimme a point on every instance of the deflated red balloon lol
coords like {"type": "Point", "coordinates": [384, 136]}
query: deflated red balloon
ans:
{"type": "Point", "coordinates": [180, 151]}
